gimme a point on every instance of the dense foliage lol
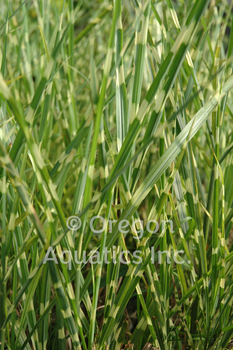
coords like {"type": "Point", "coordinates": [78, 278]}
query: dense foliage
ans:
{"type": "Point", "coordinates": [119, 110]}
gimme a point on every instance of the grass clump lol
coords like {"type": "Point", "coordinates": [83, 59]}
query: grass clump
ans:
{"type": "Point", "coordinates": [116, 175]}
